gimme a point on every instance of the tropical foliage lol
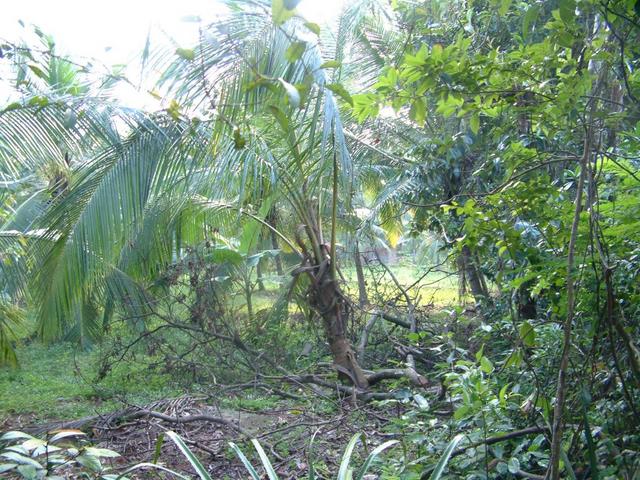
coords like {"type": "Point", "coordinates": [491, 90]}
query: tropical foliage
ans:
{"type": "Point", "coordinates": [505, 135]}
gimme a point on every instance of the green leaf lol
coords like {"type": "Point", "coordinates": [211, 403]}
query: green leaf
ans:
{"type": "Point", "coordinates": [222, 254]}
{"type": "Point", "coordinates": [186, 54]}
{"type": "Point", "coordinates": [339, 90]}
{"type": "Point", "coordinates": [504, 7]}
{"type": "Point", "coordinates": [193, 460]}
{"type": "Point", "coordinates": [21, 459]}
{"type": "Point", "coordinates": [314, 27]}
{"type": "Point", "coordinates": [245, 462]}
{"type": "Point", "coordinates": [372, 456]}
{"type": "Point", "coordinates": [5, 467]}
{"type": "Point", "coordinates": [271, 473]}
{"type": "Point", "coordinates": [418, 111]}
{"type": "Point", "coordinates": [474, 123]}
{"type": "Point", "coordinates": [280, 117]}
{"type": "Point", "coordinates": [28, 472]}
{"type": "Point", "coordinates": [15, 435]}
{"type": "Point", "coordinates": [66, 434]}
{"type": "Point", "coordinates": [529, 19]}
{"type": "Point", "coordinates": [158, 450]}
{"type": "Point", "coordinates": [295, 51]}
{"type": "Point", "coordinates": [279, 11]}
{"type": "Point", "coordinates": [527, 334]}
{"type": "Point", "coordinates": [38, 72]}
{"type": "Point", "coordinates": [331, 64]}
{"type": "Point", "coordinates": [444, 460]}
{"type": "Point", "coordinates": [239, 142]}
{"type": "Point", "coordinates": [292, 93]}
{"type": "Point", "coordinates": [344, 471]}
{"type": "Point", "coordinates": [422, 402]}
{"type": "Point", "coordinates": [101, 452]}
{"type": "Point", "coordinates": [486, 365]}
{"type": "Point", "coordinates": [567, 10]}
{"type": "Point", "coordinates": [90, 462]}
{"type": "Point", "coordinates": [513, 465]}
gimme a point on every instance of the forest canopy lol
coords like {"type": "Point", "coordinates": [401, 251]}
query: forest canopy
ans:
{"type": "Point", "coordinates": [419, 221]}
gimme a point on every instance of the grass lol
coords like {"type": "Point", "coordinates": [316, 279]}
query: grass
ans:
{"type": "Point", "coordinates": [57, 382]}
{"type": "Point", "coordinates": [435, 288]}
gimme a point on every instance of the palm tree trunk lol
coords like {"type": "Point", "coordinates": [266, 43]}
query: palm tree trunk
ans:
{"type": "Point", "coordinates": [362, 286]}
{"type": "Point", "coordinates": [473, 275]}
{"type": "Point", "coordinates": [259, 275]}
{"type": "Point", "coordinates": [329, 302]}
{"type": "Point", "coordinates": [273, 219]}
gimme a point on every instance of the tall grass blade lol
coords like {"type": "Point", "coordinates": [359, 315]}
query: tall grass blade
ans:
{"type": "Point", "coordinates": [444, 460]}
{"type": "Point", "coordinates": [344, 472]}
{"type": "Point", "coordinates": [265, 460]}
{"type": "Point", "coordinates": [193, 460]}
{"type": "Point", "coordinates": [245, 461]}
{"type": "Point", "coordinates": [372, 456]}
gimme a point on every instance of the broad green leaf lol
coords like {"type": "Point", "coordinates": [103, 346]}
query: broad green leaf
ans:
{"type": "Point", "coordinates": [504, 7]}
{"type": "Point", "coordinates": [486, 365]}
{"type": "Point", "coordinates": [422, 402]}
{"type": "Point", "coordinates": [280, 117]}
{"type": "Point", "coordinates": [474, 123]}
{"type": "Point", "coordinates": [339, 90]}
{"type": "Point", "coordinates": [529, 19]}
{"type": "Point", "coordinates": [513, 465]}
{"type": "Point", "coordinates": [314, 27]}
{"type": "Point", "coordinates": [295, 51]}
{"type": "Point", "coordinates": [292, 93]}
{"type": "Point", "coordinates": [90, 462]}
{"type": "Point", "coordinates": [527, 334]}
{"type": "Point", "coordinates": [418, 111]}
{"type": "Point", "coordinates": [101, 452]}
{"type": "Point", "coordinates": [279, 11]}
{"type": "Point", "coordinates": [15, 435]}
{"type": "Point", "coordinates": [221, 254]}
{"type": "Point", "coordinates": [5, 467]}
{"type": "Point", "coordinates": [21, 459]}
{"type": "Point", "coordinates": [66, 434]}
{"type": "Point", "coordinates": [186, 54]}
{"type": "Point", "coordinates": [331, 64]}
{"type": "Point", "coordinates": [28, 472]}
{"type": "Point", "coordinates": [567, 10]}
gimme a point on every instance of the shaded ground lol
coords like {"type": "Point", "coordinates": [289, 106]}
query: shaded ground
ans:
{"type": "Point", "coordinates": [284, 432]}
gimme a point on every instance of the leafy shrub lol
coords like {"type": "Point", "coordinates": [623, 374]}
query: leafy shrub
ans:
{"type": "Point", "coordinates": [64, 455]}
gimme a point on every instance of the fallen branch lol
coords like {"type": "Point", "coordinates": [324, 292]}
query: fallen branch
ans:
{"type": "Point", "coordinates": [500, 438]}
{"type": "Point", "coordinates": [186, 419]}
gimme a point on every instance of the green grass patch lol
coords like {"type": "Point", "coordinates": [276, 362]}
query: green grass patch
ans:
{"type": "Point", "coordinates": [58, 382]}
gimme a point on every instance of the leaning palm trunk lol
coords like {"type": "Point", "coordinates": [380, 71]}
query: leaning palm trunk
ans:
{"type": "Point", "coordinates": [328, 300]}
